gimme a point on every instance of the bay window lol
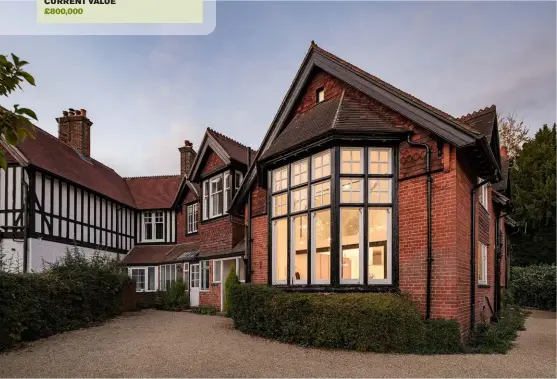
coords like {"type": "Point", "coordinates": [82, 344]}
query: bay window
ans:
{"type": "Point", "coordinates": [145, 278]}
{"type": "Point", "coordinates": [351, 200]}
{"type": "Point", "coordinates": [153, 226]}
{"type": "Point", "coordinates": [218, 192]}
{"type": "Point", "coordinates": [168, 275]}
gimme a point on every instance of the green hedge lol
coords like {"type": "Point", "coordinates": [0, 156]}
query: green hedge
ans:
{"type": "Point", "coordinates": [71, 294]}
{"type": "Point", "coordinates": [499, 337]}
{"type": "Point", "coordinates": [534, 286]}
{"type": "Point", "coordinates": [366, 322]}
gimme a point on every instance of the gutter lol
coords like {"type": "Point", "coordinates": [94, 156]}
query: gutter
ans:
{"type": "Point", "coordinates": [248, 231]}
{"type": "Point", "coordinates": [429, 181]}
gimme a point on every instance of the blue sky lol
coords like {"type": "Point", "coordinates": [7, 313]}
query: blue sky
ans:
{"type": "Point", "coordinates": [146, 95]}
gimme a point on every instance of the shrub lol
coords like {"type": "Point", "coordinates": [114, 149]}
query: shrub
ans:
{"type": "Point", "coordinates": [72, 293]}
{"type": "Point", "coordinates": [366, 322]}
{"type": "Point", "coordinates": [534, 286]}
{"type": "Point", "coordinates": [205, 310]}
{"type": "Point", "coordinates": [498, 338]}
{"type": "Point", "coordinates": [175, 298]}
{"type": "Point", "coordinates": [231, 280]}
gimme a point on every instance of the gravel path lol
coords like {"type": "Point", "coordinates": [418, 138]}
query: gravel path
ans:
{"type": "Point", "coordinates": [166, 344]}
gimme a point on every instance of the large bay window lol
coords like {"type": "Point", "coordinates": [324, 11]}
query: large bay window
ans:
{"type": "Point", "coordinates": [153, 226]}
{"type": "Point", "coordinates": [351, 200]}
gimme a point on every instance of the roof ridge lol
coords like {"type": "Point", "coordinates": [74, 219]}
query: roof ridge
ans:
{"type": "Point", "coordinates": [477, 113]}
{"type": "Point", "coordinates": [228, 138]}
{"type": "Point", "coordinates": [152, 177]}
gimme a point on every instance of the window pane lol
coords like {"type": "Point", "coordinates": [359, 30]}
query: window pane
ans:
{"type": "Point", "coordinates": [159, 231]}
{"type": "Point", "coordinates": [241, 269]}
{"type": "Point", "coordinates": [299, 250]}
{"type": "Point", "coordinates": [321, 257]}
{"type": "Point", "coordinates": [321, 194]}
{"type": "Point", "coordinates": [379, 190]}
{"type": "Point", "coordinates": [299, 199]}
{"type": "Point", "coordinates": [148, 231]}
{"type": "Point", "coordinates": [351, 161]}
{"type": "Point", "coordinates": [280, 179]}
{"type": "Point", "coordinates": [299, 172]}
{"type": "Point", "coordinates": [350, 244]}
{"type": "Point", "coordinates": [378, 233]}
{"type": "Point", "coordinates": [280, 204]}
{"type": "Point", "coordinates": [321, 165]}
{"type": "Point", "coordinates": [205, 275]}
{"type": "Point", "coordinates": [138, 275]}
{"type": "Point", "coordinates": [351, 190]}
{"type": "Point", "coordinates": [217, 271]}
{"type": "Point", "coordinates": [151, 278]}
{"type": "Point", "coordinates": [379, 160]}
{"type": "Point", "coordinates": [280, 238]}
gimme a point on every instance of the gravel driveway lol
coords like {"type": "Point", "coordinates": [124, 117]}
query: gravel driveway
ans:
{"type": "Point", "coordinates": [166, 344]}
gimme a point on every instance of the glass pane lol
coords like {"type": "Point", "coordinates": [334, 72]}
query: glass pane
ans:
{"type": "Point", "coordinates": [149, 231]}
{"type": "Point", "coordinates": [159, 231]}
{"type": "Point", "coordinates": [299, 199]}
{"type": "Point", "coordinates": [321, 194]}
{"type": "Point", "coordinates": [242, 269]}
{"type": "Point", "coordinates": [280, 204]}
{"type": "Point", "coordinates": [322, 246]}
{"type": "Point", "coordinates": [151, 278]}
{"type": "Point", "coordinates": [163, 279]}
{"type": "Point", "coordinates": [378, 234]}
{"type": "Point", "coordinates": [350, 243]}
{"type": "Point", "coordinates": [379, 190]}
{"type": "Point", "coordinates": [379, 161]}
{"type": "Point", "coordinates": [351, 162]}
{"type": "Point", "coordinates": [299, 249]}
{"type": "Point", "coordinates": [280, 239]}
{"type": "Point", "coordinates": [139, 276]}
{"type": "Point", "coordinates": [351, 190]}
{"type": "Point", "coordinates": [280, 179]}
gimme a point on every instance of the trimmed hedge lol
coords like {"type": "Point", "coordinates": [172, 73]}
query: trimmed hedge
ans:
{"type": "Point", "coordinates": [534, 286]}
{"type": "Point", "coordinates": [74, 293]}
{"type": "Point", "coordinates": [365, 322]}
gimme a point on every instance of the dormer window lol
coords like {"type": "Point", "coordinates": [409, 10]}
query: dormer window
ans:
{"type": "Point", "coordinates": [218, 191]}
{"type": "Point", "coordinates": [320, 95]}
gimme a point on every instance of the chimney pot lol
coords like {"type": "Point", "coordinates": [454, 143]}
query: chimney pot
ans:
{"type": "Point", "coordinates": [504, 151]}
{"type": "Point", "coordinates": [65, 113]}
{"type": "Point", "coordinates": [75, 132]}
{"type": "Point", "coordinates": [84, 112]}
{"type": "Point", "coordinates": [187, 143]}
{"type": "Point", "coordinates": [187, 156]}
{"type": "Point", "coordinates": [77, 113]}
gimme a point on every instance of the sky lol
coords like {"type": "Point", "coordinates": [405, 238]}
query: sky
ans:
{"type": "Point", "coordinates": [146, 95]}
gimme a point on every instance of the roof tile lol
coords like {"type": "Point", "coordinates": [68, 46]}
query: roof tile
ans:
{"type": "Point", "coordinates": [152, 192]}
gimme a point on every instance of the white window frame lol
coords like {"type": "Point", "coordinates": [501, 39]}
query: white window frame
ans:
{"type": "Point", "coordinates": [389, 160]}
{"type": "Point", "coordinates": [191, 218]}
{"type": "Point", "coordinates": [227, 185]}
{"type": "Point", "coordinates": [293, 250]}
{"type": "Point", "coordinates": [282, 179]}
{"type": "Point", "coordinates": [146, 274]}
{"type": "Point", "coordinates": [314, 247]}
{"type": "Point", "coordinates": [215, 270]}
{"type": "Point", "coordinates": [482, 279]}
{"type": "Point", "coordinates": [352, 162]}
{"type": "Point", "coordinates": [153, 217]}
{"type": "Point", "coordinates": [205, 190]}
{"type": "Point", "coordinates": [204, 265]}
{"type": "Point", "coordinates": [274, 280]}
{"type": "Point", "coordinates": [389, 278]}
{"type": "Point", "coordinates": [362, 249]}
{"type": "Point", "coordinates": [238, 270]}
{"type": "Point", "coordinates": [239, 178]}
{"type": "Point", "coordinates": [186, 275]}
{"type": "Point", "coordinates": [296, 178]}
{"type": "Point", "coordinates": [483, 194]}
{"type": "Point", "coordinates": [350, 191]}
{"type": "Point", "coordinates": [173, 275]}
{"type": "Point", "coordinates": [219, 195]}
{"type": "Point", "coordinates": [298, 196]}
{"type": "Point", "coordinates": [275, 203]}
{"type": "Point", "coordinates": [315, 167]}
{"type": "Point", "coordinates": [379, 192]}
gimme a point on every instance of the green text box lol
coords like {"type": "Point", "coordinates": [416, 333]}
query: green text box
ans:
{"type": "Point", "coordinates": [120, 11]}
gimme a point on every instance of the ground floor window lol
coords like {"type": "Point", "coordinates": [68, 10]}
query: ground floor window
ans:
{"type": "Point", "coordinates": [145, 278]}
{"type": "Point", "coordinates": [482, 264]}
{"type": "Point", "coordinates": [205, 275]}
{"type": "Point", "coordinates": [168, 275]}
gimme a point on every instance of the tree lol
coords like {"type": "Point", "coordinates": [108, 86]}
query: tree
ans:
{"type": "Point", "coordinates": [533, 189]}
{"type": "Point", "coordinates": [512, 133]}
{"type": "Point", "coordinates": [15, 125]}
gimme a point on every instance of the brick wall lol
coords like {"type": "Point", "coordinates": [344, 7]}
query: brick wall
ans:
{"type": "Point", "coordinates": [181, 236]}
{"type": "Point", "coordinates": [212, 162]}
{"type": "Point", "coordinates": [212, 296]}
{"type": "Point", "coordinates": [259, 233]}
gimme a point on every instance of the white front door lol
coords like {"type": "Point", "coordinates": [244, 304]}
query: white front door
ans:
{"type": "Point", "coordinates": [194, 285]}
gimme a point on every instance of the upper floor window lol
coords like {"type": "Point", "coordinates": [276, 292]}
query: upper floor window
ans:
{"type": "Point", "coordinates": [299, 172]}
{"type": "Point", "coordinates": [321, 164]}
{"type": "Point", "coordinates": [320, 95]}
{"type": "Point", "coordinates": [483, 194]}
{"type": "Point", "coordinates": [153, 226]}
{"type": "Point", "coordinates": [280, 179]}
{"type": "Point", "coordinates": [227, 189]}
{"type": "Point", "coordinates": [218, 192]}
{"type": "Point", "coordinates": [191, 217]}
{"type": "Point", "coordinates": [205, 200]}
{"type": "Point", "coordinates": [351, 161]}
{"type": "Point", "coordinates": [238, 180]}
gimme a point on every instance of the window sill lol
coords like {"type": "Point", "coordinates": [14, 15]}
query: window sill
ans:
{"type": "Point", "coordinates": [209, 220]}
{"type": "Point", "coordinates": [192, 233]}
{"type": "Point", "coordinates": [483, 285]}
{"type": "Point", "coordinates": [342, 288]}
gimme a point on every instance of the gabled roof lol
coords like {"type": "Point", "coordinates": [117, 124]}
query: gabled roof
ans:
{"type": "Point", "coordinates": [152, 254]}
{"type": "Point", "coordinates": [482, 120]}
{"type": "Point", "coordinates": [428, 117]}
{"type": "Point", "coordinates": [225, 147]}
{"type": "Point", "coordinates": [185, 186]}
{"type": "Point", "coordinates": [342, 114]}
{"type": "Point", "coordinates": [152, 192]}
{"type": "Point", "coordinates": [49, 153]}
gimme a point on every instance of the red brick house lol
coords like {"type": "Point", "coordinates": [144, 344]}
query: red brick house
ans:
{"type": "Point", "coordinates": [361, 187]}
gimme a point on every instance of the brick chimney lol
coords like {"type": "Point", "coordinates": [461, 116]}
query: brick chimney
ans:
{"type": "Point", "coordinates": [187, 155]}
{"type": "Point", "coordinates": [504, 152]}
{"type": "Point", "coordinates": [74, 129]}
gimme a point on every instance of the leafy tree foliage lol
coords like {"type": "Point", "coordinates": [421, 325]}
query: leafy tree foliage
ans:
{"type": "Point", "coordinates": [15, 125]}
{"type": "Point", "coordinates": [533, 191]}
{"type": "Point", "coordinates": [513, 133]}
